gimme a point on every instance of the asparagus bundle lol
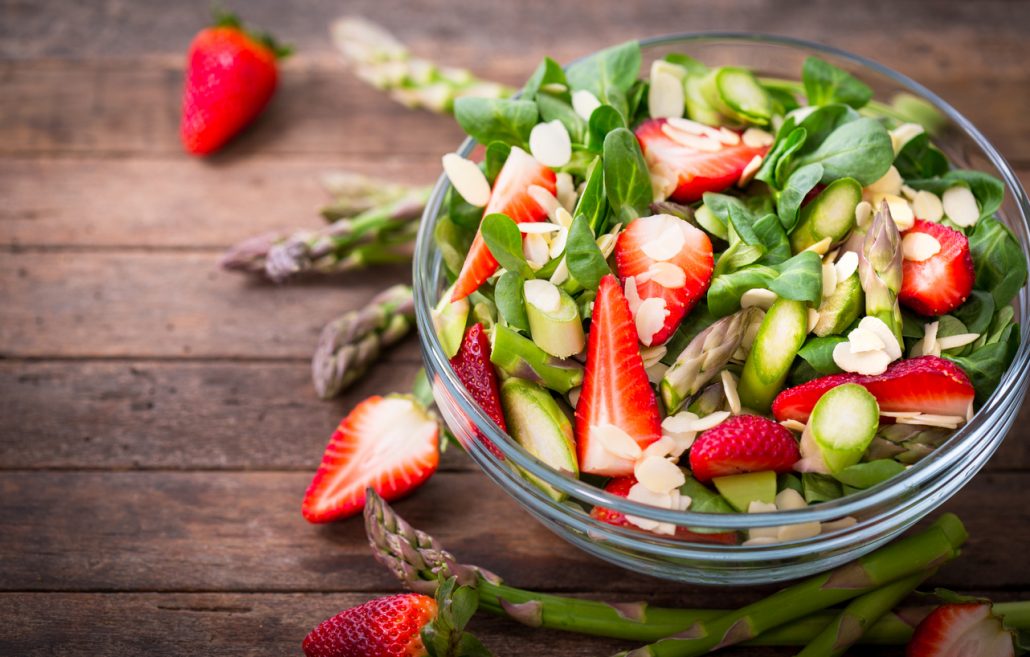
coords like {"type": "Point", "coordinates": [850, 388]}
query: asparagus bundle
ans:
{"type": "Point", "coordinates": [350, 343]}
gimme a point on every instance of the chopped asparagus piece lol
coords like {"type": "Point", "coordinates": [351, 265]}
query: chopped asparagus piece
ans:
{"type": "Point", "coordinates": [831, 214]}
{"type": "Point", "coordinates": [449, 318]}
{"type": "Point", "coordinates": [737, 95]}
{"type": "Point", "coordinates": [842, 308]}
{"type": "Point", "coordinates": [518, 356]}
{"type": "Point", "coordinates": [742, 489]}
{"type": "Point", "coordinates": [556, 327]}
{"type": "Point", "coordinates": [843, 424]}
{"type": "Point", "coordinates": [779, 338]}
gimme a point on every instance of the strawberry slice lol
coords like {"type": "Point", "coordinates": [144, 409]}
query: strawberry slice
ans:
{"type": "Point", "coordinates": [382, 627]}
{"type": "Point", "coordinates": [745, 443]}
{"type": "Point", "coordinates": [510, 196]}
{"type": "Point", "coordinates": [650, 251]}
{"type": "Point", "coordinates": [960, 629]}
{"type": "Point", "coordinates": [387, 443]}
{"type": "Point", "coordinates": [942, 283]}
{"type": "Point", "coordinates": [620, 486]}
{"type": "Point", "coordinates": [926, 384]}
{"type": "Point", "coordinates": [615, 387]}
{"type": "Point", "coordinates": [696, 171]}
{"type": "Point", "coordinates": [473, 367]}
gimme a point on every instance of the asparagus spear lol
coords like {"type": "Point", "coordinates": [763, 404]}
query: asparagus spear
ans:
{"type": "Point", "coordinates": [938, 543]}
{"type": "Point", "coordinates": [879, 269]}
{"type": "Point", "coordinates": [383, 61]}
{"type": "Point", "coordinates": [518, 356]}
{"type": "Point", "coordinates": [351, 343]}
{"type": "Point", "coordinates": [354, 193]}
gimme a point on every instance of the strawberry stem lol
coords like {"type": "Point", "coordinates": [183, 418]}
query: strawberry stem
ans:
{"type": "Point", "coordinates": [226, 18]}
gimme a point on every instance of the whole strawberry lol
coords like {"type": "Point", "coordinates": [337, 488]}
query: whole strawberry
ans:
{"type": "Point", "coordinates": [745, 443]}
{"type": "Point", "coordinates": [231, 75]}
{"type": "Point", "coordinates": [384, 627]}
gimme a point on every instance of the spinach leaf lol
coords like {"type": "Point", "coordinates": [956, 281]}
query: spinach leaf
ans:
{"type": "Point", "coordinates": [603, 120]}
{"type": "Point", "coordinates": [592, 203]}
{"type": "Point", "coordinates": [998, 261]}
{"type": "Point", "coordinates": [698, 320]}
{"type": "Point", "coordinates": [786, 480]}
{"type": "Point", "coordinates": [636, 102]}
{"type": "Point", "coordinates": [820, 487]}
{"type": "Point", "coordinates": [986, 364]}
{"type": "Point", "coordinates": [608, 74]}
{"type": "Point", "coordinates": [496, 119]}
{"type": "Point", "coordinates": [552, 107]}
{"type": "Point", "coordinates": [739, 254]}
{"type": "Point", "coordinates": [453, 243]}
{"type": "Point", "coordinates": [703, 499]}
{"type": "Point", "coordinates": [867, 475]}
{"type": "Point", "coordinates": [800, 278]}
{"type": "Point", "coordinates": [693, 66]}
{"type": "Point", "coordinates": [496, 155]}
{"type": "Point", "coordinates": [585, 261]}
{"type": "Point", "coordinates": [820, 122]}
{"type": "Point", "coordinates": [780, 154]}
{"type": "Point", "coordinates": [549, 72]}
{"type": "Point", "coordinates": [783, 101]}
{"type": "Point", "coordinates": [726, 289]}
{"type": "Point", "coordinates": [825, 84]}
{"type": "Point", "coordinates": [918, 158]}
{"type": "Point", "coordinates": [462, 212]}
{"type": "Point", "coordinates": [976, 313]}
{"type": "Point", "coordinates": [627, 182]}
{"type": "Point", "coordinates": [859, 149]}
{"type": "Point", "coordinates": [798, 185]}
{"type": "Point", "coordinates": [818, 352]}
{"type": "Point", "coordinates": [511, 303]}
{"type": "Point", "coordinates": [988, 190]}
{"type": "Point", "coordinates": [770, 233]}
{"type": "Point", "coordinates": [504, 240]}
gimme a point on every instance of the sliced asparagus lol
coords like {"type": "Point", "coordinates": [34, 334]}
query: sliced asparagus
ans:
{"type": "Point", "coordinates": [879, 269]}
{"type": "Point", "coordinates": [449, 318]}
{"type": "Point", "coordinates": [741, 490]}
{"type": "Point", "coordinates": [779, 338]}
{"type": "Point", "coordinates": [840, 310]}
{"type": "Point", "coordinates": [518, 356]}
{"type": "Point", "coordinates": [538, 423]}
{"type": "Point", "coordinates": [737, 95]}
{"type": "Point", "coordinates": [842, 425]}
{"type": "Point", "coordinates": [554, 320]}
{"type": "Point", "coordinates": [831, 214]}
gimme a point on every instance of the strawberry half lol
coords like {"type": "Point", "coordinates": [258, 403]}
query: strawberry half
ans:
{"type": "Point", "coordinates": [615, 386]}
{"type": "Point", "coordinates": [384, 627]}
{"type": "Point", "coordinates": [942, 283]}
{"type": "Point", "coordinates": [619, 486]}
{"type": "Point", "coordinates": [648, 250]}
{"type": "Point", "coordinates": [386, 443]}
{"type": "Point", "coordinates": [961, 629]}
{"type": "Point", "coordinates": [926, 384]}
{"type": "Point", "coordinates": [696, 171]}
{"type": "Point", "coordinates": [473, 367]}
{"type": "Point", "coordinates": [510, 196]}
{"type": "Point", "coordinates": [745, 443]}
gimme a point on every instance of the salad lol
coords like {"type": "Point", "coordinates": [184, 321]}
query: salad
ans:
{"type": "Point", "coordinates": [714, 291]}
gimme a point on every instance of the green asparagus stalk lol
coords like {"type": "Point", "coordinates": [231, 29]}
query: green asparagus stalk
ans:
{"type": "Point", "coordinates": [705, 356]}
{"type": "Point", "coordinates": [350, 343]}
{"type": "Point", "coordinates": [907, 443]}
{"type": "Point", "coordinates": [935, 545]}
{"type": "Point", "coordinates": [354, 193]}
{"type": "Point", "coordinates": [859, 616]}
{"type": "Point", "coordinates": [879, 269]}
{"type": "Point", "coordinates": [380, 59]}
{"type": "Point", "coordinates": [520, 357]}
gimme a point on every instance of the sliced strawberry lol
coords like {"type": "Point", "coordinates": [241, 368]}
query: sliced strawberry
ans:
{"type": "Point", "coordinates": [961, 630]}
{"type": "Point", "coordinates": [383, 627]}
{"type": "Point", "coordinates": [387, 443]}
{"type": "Point", "coordinates": [745, 443]}
{"type": "Point", "coordinates": [510, 196]}
{"type": "Point", "coordinates": [659, 236]}
{"type": "Point", "coordinates": [620, 486]}
{"type": "Point", "coordinates": [926, 384]}
{"type": "Point", "coordinates": [473, 367]}
{"type": "Point", "coordinates": [615, 386]}
{"type": "Point", "coordinates": [697, 171]}
{"type": "Point", "coordinates": [940, 284]}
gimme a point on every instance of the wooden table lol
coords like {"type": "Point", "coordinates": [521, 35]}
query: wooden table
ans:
{"type": "Point", "coordinates": [157, 425]}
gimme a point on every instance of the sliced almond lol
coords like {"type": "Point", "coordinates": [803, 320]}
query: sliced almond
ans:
{"type": "Point", "coordinates": [889, 183]}
{"type": "Point", "coordinates": [864, 340]}
{"type": "Point", "coordinates": [565, 190]}
{"type": "Point", "coordinates": [956, 341]}
{"type": "Point", "coordinates": [847, 265]}
{"type": "Point", "coordinates": [685, 422]}
{"type": "Point", "coordinates": [821, 247]}
{"type": "Point", "coordinates": [467, 178]}
{"type": "Point", "coordinates": [649, 318]}
{"type": "Point", "coordinates": [901, 211]}
{"type": "Point", "coordinates": [696, 142]}
{"type": "Point", "coordinates": [758, 296]}
{"type": "Point", "coordinates": [584, 103]}
{"type": "Point", "coordinates": [573, 395]}
{"type": "Point", "coordinates": [659, 66]}
{"type": "Point", "coordinates": [969, 411]}
{"type": "Point", "coordinates": [538, 227]}
{"type": "Point", "coordinates": [656, 372]}
{"type": "Point", "coordinates": [942, 422]}
{"type": "Point", "coordinates": [890, 341]}
{"type": "Point", "coordinates": [793, 425]}
{"type": "Point", "coordinates": [789, 499]}
{"type": "Point", "coordinates": [606, 242]}
{"type": "Point", "coordinates": [661, 447]}
{"type": "Point", "coordinates": [918, 247]}
{"type": "Point", "coordinates": [558, 242]}
{"type": "Point", "coordinates": [643, 495]}
{"type": "Point", "coordinates": [960, 206]}
{"type": "Point", "coordinates": [728, 137]}
{"type": "Point", "coordinates": [757, 138]}
{"type": "Point", "coordinates": [542, 294]}
{"type": "Point", "coordinates": [668, 275]}
{"type": "Point", "coordinates": [903, 133]}
{"type": "Point", "coordinates": [561, 273]}
{"type": "Point", "coordinates": [632, 297]}
{"type": "Point", "coordinates": [550, 144]}
{"type": "Point", "coordinates": [863, 214]}
{"type": "Point", "coordinates": [729, 388]}
{"type": "Point", "coordinates": [562, 218]}
{"type": "Point", "coordinates": [930, 347]}
{"type": "Point", "coordinates": [761, 507]}
{"type": "Point", "coordinates": [908, 193]}
{"type": "Point", "coordinates": [652, 355]}
{"type": "Point", "coordinates": [545, 199]}
{"type": "Point", "coordinates": [798, 531]}
{"type": "Point", "coordinates": [866, 362]}
{"type": "Point", "coordinates": [536, 249]}
{"type": "Point", "coordinates": [834, 525]}
{"type": "Point", "coordinates": [665, 96]}
{"type": "Point", "coordinates": [750, 169]}
{"type": "Point", "coordinates": [927, 205]}
{"type": "Point", "coordinates": [760, 540]}
{"type": "Point", "coordinates": [659, 474]}
{"type": "Point", "coordinates": [900, 414]}
{"type": "Point", "coordinates": [669, 242]}
{"type": "Point", "coordinates": [616, 442]}
{"type": "Point", "coordinates": [829, 279]}
{"type": "Point", "coordinates": [696, 128]}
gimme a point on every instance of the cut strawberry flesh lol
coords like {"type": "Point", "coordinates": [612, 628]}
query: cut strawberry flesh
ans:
{"type": "Point", "coordinates": [616, 390]}
{"type": "Point", "coordinates": [382, 627]}
{"type": "Point", "coordinates": [961, 629]}
{"type": "Point", "coordinates": [926, 384]}
{"type": "Point", "coordinates": [472, 366]}
{"type": "Point", "coordinates": [386, 443]}
{"type": "Point", "coordinates": [745, 443]}
{"type": "Point", "coordinates": [943, 282]}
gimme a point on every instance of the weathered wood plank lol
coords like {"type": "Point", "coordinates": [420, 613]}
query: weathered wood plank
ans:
{"type": "Point", "coordinates": [207, 532]}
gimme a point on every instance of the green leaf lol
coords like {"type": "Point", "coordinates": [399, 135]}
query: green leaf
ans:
{"type": "Point", "coordinates": [986, 364]}
{"type": "Point", "coordinates": [703, 499]}
{"type": "Point", "coordinates": [462, 212]}
{"type": "Point", "coordinates": [421, 389]}
{"type": "Point", "coordinates": [798, 185]}
{"type": "Point", "coordinates": [867, 475]}
{"type": "Point", "coordinates": [818, 353]}
{"type": "Point", "coordinates": [918, 158]}
{"type": "Point", "coordinates": [770, 233]}
{"type": "Point", "coordinates": [496, 155]}
{"type": "Point", "coordinates": [592, 203]}
{"type": "Point", "coordinates": [820, 487]}
{"type": "Point", "coordinates": [511, 303]}
{"type": "Point", "coordinates": [858, 149]}
{"type": "Point", "coordinates": [547, 73]}
{"type": "Point", "coordinates": [470, 646]}
{"type": "Point", "coordinates": [496, 119]}
{"type": "Point", "coordinates": [800, 278]}
{"type": "Point", "coordinates": [988, 190]}
{"type": "Point", "coordinates": [627, 182]}
{"type": "Point", "coordinates": [609, 74]}
{"type": "Point", "coordinates": [821, 122]}
{"type": "Point", "coordinates": [555, 108]}
{"type": "Point", "coordinates": [453, 242]}
{"type": "Point", "coordinates": [976, 313]}
{"type": "Point", "coordinates": [786, 480]}
{"type": "Point", "coordinates": [504, 240]}
{"type": "Point", "coordinates": [585, 261]}
{"type": "Point", "coordinates": [693, 66]}
{"type": "Point", "coordinates": [998, 261]}
{"type": "Point", "coordinates": [463, 604]}
{"type": "Point", "coordinates": [786, 144]}
{"type": "Point", "coordinates": [725, 291]}
{"type": "Point", "coordinates": [825, 84]}
{"type": "Point", "coordinates": [603, 120]}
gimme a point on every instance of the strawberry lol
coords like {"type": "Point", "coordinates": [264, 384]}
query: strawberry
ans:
{"type": "Point", "coordinates": [745, 443]}
{"type": "Point", "coordinates": [926, 384]}
{"type": "Point", "coordinates": [940, 284]}
{"type": "Point", "coordinates": [960, 630]}
{"type": "Point", "coordinates": [615, 386]}
{"type": "Point", "coordinates": [653, 235]}
{"type": "Point", "coordinates": [472, 365]}
{"type": "Point", "coordinates": [384, 627]}
{"type": "Point", "coordinates": [231, 75]}
{"type": "Point", "coordinates": [387, 443]}
{"type": "Point", "coordinates": [510, 196]}
{"type": "Point", "coordinates": [620, 486]}
{"type": "Point", "coordinates": [696, 171]}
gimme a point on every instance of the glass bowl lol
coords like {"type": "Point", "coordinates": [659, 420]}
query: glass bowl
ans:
{"type": "Point", "coordinates": [881, 512]}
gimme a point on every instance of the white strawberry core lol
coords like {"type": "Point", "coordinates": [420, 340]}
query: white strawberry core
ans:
{"type": "Point", "coordinates": [550, 144]}
{"type": "Point", "coordinates": [467, 178]}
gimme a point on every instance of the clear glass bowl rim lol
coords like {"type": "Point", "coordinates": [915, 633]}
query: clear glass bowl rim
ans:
{"type": "Point", "coordinates": [426, 268]}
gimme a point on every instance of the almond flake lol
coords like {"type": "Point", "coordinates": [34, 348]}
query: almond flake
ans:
{"type": "Point", "coordinates": [728, 137]}
{"type": "Point", "coordinates": [793, 425]}
{"type": "Point", "coordinates": [758, 296]}
{"type": "Point", "coordinates": [606, 242]}
{"type": "Point", "coordinates": [900, 414]}
{"type": "Point", "coordinates": [890, 341]}
{"type": "Point", "coordinates": [667, 275]}
{"type": "Point", "coordinates": [561, 273]}
{"type": "Point", "coordinates": [863, 214]}
{"type": "Point", "coordinates": [928, 346]}
{"type": "Point", "coordinates": [665, 96]}
{"type": "Point", "coordinates": [940, 421]}
{"type": "Point", "coordinates": [729, 388]}
{"type": "Point", "coordinates": [542, 295]}
{"type": "Point", "coordinates": [757, 138]}
{"type": "Point", "coordinates": [710, 421]}
{"type": "Point", "coordinates": [757, 506]}
{"type": "Point", "coordinates": [813, 319]}
{"type": "Point", "coordinates": [918, 247]}
{"type": "Point", "coordinates": [632, 297]}
{"type": "Point", "coordinates": [903, 133]}
{"type": "Point", "coordinates": [696, 142]}
{"type": "Point", "coordinates": [559, 241]}
{"type": "Point", "coordinates": [649, 319]}
{"type": "Point", "coordinates": [660, 66]}
{"type": "Point", "coordinates": [467, 179]}
{"type": "Point", "coordinates": [960, 206]}
{"type": "Point", "coordinates": [653, 355]}
{"type": "Point", "coordinates": [538, 227]}
{"type": "Point", "coordinates": [956, 341]}
{"type": "Point", "coordinates": [831, 256]}
{"type": "Point", "coordinates": [685, 502]}
{"type": "Point", "coordinates": [759, 540]}
{"type": "Point", "coordinates": [829, 279]}
{"type": "Point", "coordinates": [969, 411]}
{"type": "Point", "coordinates": [866, 362]}
{"type": "Point", "coordinates": [694, 128]}
{"type": "Point", "coordinates": [563, 218]}
{"type": "Point", "coordinates": [908, 193]}
{"type": "Point", "coordinates": [789, 499]}
{"type": "Point", "coordinates": [834, 525]}
{"type": "Point", "coordinates": [659, 474]}
{"type": "Point", "coordinates": [798, 531]}
{"type": "Point", "coordinates": [682, 422]}
{"type": "Point", "coordinates": [641, 494]}
{"type": "Point", "coordinates": [545, 199]}
{"type": "Point", "coordinates": [847, 265]}
{"type": "Point", "coordinates": [821, 247]}
{"type": "Point", "coordinates": [565, 191]}
{"type": "Point", "coordinates": [669, 242]}
{"type": "Point", "coordinates": [901, 211]}
{"type": "Point", "coordinates": [682, 441]}
{"type": "Point", "coordinates": [535, 248]}
{"type": "Point", "coordinates": [656, 372]}
{"type": "Point", "coordinates": [889, 183]}
{"type": "Point", "coordinates": [550, 144]}
{"type": "Point", "coordinates": [864, 340]}
{"type": "Point", "coordinates": [749, 171]}
{"type": "Point", "coordinates": [661, 447]}
{"type": "Point", "coordinates": [761, 535]}
{"type": "Point", "coordinates": [584, 103]}
{"type": "Point", "coordinates": [616, 442]}
{"type": "Point", "coordinates": [927, 205]}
